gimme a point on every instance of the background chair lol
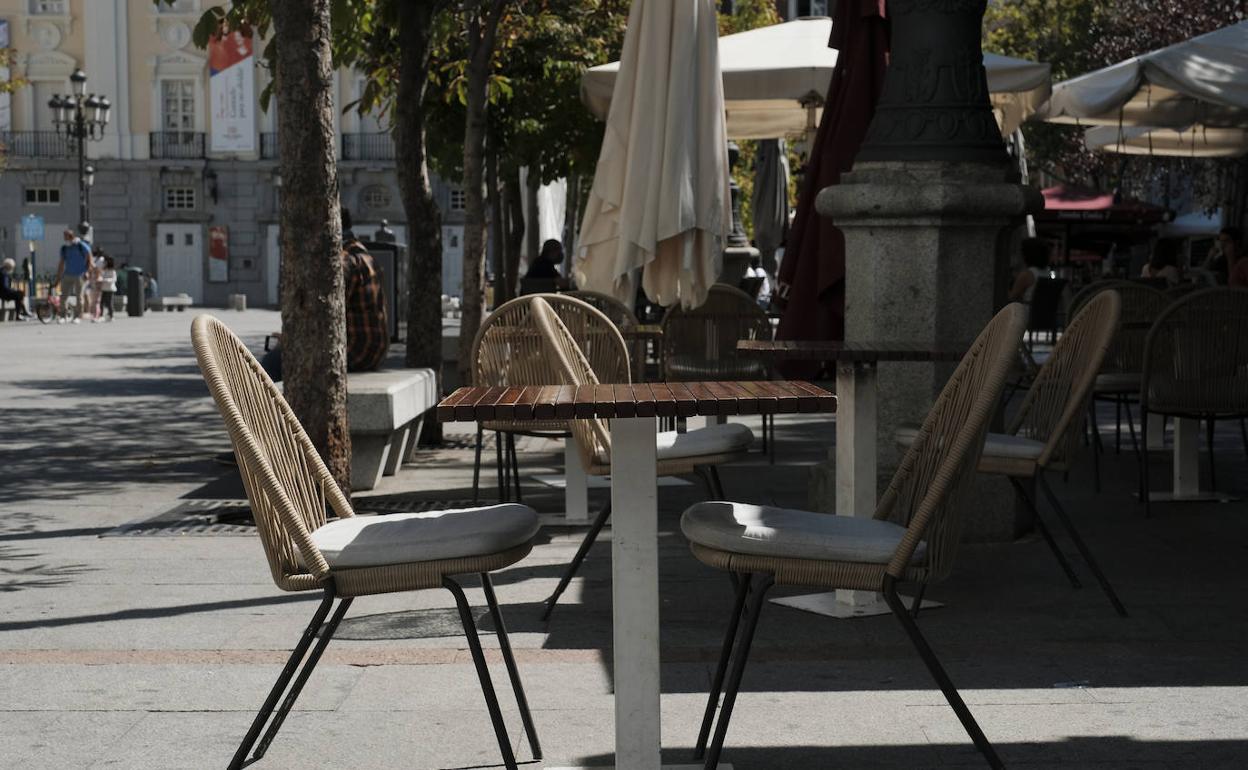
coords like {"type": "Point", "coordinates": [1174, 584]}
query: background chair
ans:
{"type": "Point", "coordinates": [697, 451]}
{"type": "Point", "coordinates": [508, 352]}
{"type": "Point", "coordinates": [912, 538]}
{"type": "Point", "coordinates": [289, 489]}
{"type": "Point", "coordinates": [701, 343]}
{"type": "Point", "coordinates": [1196, 366]}
{"type": "Point", "coordinates": [624, 319]}
{"type": "Point", "coordinates": [1119, 379]}
{"type": "Point", "coordinates": [1044, 434]}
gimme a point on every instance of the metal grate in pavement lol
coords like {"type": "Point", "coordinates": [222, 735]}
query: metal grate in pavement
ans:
{"type": "Point", "coordinates": [233, 517]}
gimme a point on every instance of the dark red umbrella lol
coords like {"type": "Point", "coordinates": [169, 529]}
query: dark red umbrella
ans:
{"type": "Point", "coordinates": [812, 277]}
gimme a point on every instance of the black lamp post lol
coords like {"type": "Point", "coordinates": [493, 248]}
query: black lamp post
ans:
{"type": "Point", "coordinates": [81, 118]}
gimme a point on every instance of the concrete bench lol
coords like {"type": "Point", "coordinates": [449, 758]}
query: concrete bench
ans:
{"type": "Point", "coordinates": [177, 302]}
{"type": "Point", "coordinates": [385, 410]}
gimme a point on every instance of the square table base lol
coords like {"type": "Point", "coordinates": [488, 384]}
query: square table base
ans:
{"type": "Point", "coordinates": [826, 604]}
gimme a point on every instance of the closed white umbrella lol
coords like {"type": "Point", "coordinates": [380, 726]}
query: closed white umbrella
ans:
{"type": "Point", "coordinates": [775, 79]}
{"type": "Point", "coordinates": [1201, 81]}
{"type": "Point", "coordinates": [659, 205]}
{"type": "Point", "coordinates": [1193, 142]}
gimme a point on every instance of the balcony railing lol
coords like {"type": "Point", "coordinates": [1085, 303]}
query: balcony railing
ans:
{"type": "Point", "coordinates": [268, 146]}
{"type": "Point", "coordinates": [177, 144]}
{"type": "Point", "coordinates": [367, 147]}
{"type": "Point", "coordinates": [36, 144]}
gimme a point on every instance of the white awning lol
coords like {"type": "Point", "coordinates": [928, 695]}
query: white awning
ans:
{"type": "Point", "coordinates": [1191, 142]}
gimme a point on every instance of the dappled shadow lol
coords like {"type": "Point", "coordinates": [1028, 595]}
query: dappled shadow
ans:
{"type": "Point", "coordinates": [22, 570]}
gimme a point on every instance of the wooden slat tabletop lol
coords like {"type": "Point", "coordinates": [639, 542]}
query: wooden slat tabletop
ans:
{"type": "Point", "coordinates": [666, 399]}
{"type": "Point", "coordinates": [851, 352]}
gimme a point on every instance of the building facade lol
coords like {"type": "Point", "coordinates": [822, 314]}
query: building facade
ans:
{"type": "Point", "coordinates": [185, 160]}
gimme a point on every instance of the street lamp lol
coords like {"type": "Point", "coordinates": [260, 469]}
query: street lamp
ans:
{"type": "Point", "coordinates": [81, 118]}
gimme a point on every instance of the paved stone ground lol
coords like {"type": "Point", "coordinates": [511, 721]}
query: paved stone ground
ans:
{"type": "Point", "coordinates": [152, 651]}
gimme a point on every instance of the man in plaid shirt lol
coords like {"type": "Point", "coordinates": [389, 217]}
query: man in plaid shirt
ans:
{"type": "Point", "coordinates": [367, 337]}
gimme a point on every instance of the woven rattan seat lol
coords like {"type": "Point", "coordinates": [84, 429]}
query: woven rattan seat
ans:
{"type": "Point", "coordinates": [923, 501]}
{"type": "Point", "coordinates": [290, 491]}
{"type": "Point", "coordinates": [508, 351]}
{"type": "Point", "coordinates": [1196, 366]}
{"type": "Point", "coordinates": [682, 454]}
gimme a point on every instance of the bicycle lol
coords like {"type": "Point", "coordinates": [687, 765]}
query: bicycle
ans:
{"type": "Point", "coordinates": [49, 307]}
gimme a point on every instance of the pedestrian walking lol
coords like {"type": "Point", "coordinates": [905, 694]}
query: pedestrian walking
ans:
{"type": "Point", "coordinates": [72, 275]}
{"type": "Point", "coordinates": [106, 286]}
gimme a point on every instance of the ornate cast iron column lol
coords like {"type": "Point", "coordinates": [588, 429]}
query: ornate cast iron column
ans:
{"type": "Point", "coordinates": [934, 104]}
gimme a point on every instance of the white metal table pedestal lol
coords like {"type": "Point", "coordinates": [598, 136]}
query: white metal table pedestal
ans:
{"type": "Point", "coordinates": [1186, 468]}
{"type": "Point", "coordinates": [856, 415]}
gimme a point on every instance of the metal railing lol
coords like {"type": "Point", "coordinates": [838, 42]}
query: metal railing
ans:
{"type": "Point", "coordinates": [36, 144]}
{"type": "Point", "coordinates": [367, 147]}
{"type": "Point", "coordinates": [268, 146]}
{"type": "Point", "coordinates": [177, 144]}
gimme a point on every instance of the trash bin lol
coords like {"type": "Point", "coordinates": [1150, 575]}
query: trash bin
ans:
{"type": "Point", "coordinates": [135, 303]}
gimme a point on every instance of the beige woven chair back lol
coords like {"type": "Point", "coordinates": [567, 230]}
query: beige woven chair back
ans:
{"type": "Point", "coordinates": [287, 484]}
{"type": "Point", "coordinates": [1141, 304]}
{"type": "Point", "coordinates": [508, 349]}
{"type": "Point", "coordinates": [1196, 356]}
{"type": "Point", "coordinates": [593, 437]}
{"type": "Point", "coordinates": [612, 308]}
{"type": "Point", "coordinates": [925, 491]}
{"type": "Point", "coordinates": [1053, 409]}
{"type": "Point", "coordinates": [701, 344]}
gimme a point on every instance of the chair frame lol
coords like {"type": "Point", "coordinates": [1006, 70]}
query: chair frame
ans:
{"type": "Point", "coordinates": [289, 488]}
{"type": "Point", "coordinates": [923, 492]}
{"type": "Point", "coordinates": [1153, 347]}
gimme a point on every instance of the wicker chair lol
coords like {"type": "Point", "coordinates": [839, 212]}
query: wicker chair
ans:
{"type": "Point", "coordinates": [697, 451]}
{"type": "Point", "coordinates": [508, 351]}
{"type": "Point", "coordinates": [1119, 378]}
{"type": "Point", "coordinates": [701, 344]}
{"type": "Point", "coordinates": [1044, 435]}
{"type": "Point", "coordinates": [289, 488]}
{"type": "Point", "coordinates": [767, 546]}
{"type": "Point", "coordinates": [624, 319]}
{"type": "Point", "coordinates": [1196, 366]}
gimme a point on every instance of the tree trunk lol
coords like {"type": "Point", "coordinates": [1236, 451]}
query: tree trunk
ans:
{"type": "Point", "coordinates": [502, 281]}
{"type": "Point", "coordinates": [314, 332]}
{"type": "Point", "coordinates": [532, 228]}
{"type": "Point", "coordinates": [515, 226]}
{"type": "Point", "coordinates": [482, 22]}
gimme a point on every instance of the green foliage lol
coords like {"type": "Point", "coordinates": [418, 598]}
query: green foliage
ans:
{"type": "Point", "coordinates": [8, 57]}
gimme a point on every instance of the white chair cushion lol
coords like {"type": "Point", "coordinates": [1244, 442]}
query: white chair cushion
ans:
{"type": "Point", "coordinates": [765, 531]}
{"type": "Point", "coordinates": [1117, 382]}
{"type": "Point", "coordinates": [995, 444]}
{"type": "Point", "coordinates": [711, 440]}
{"type": "Point", "coordinates": [403, 538]}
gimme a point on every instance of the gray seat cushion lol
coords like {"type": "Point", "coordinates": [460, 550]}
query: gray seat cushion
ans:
{"type": "Point", "coordinates": [995, 444]}
{"type": "Point", "coordinates": [765, 531]}
{"type": "Point", "coordinates": [402, 538]}
{"type": "Point", "coordinates": [1117, 382]}
{"type": "Point", "coordinates": [729, 438]}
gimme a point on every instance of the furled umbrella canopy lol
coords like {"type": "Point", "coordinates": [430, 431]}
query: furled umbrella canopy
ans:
{"type": "Point", "coordinates": [770, 203]}
{"type": "Point", "coordinates": [659, 205]}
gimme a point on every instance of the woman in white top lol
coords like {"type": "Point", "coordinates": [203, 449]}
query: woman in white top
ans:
{"type": "Point", "coordinates": [1036, 266]}
{"type": "Point", "coordinates": [105, 286]}
{"type": "Point", "coordinates": [1165, 262]}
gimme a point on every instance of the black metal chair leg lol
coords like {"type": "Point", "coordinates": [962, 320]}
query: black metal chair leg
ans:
{"type": "Point", "coordinates": [1243, 432]}
{"type": "Point", "coordinates": [742, 585]}
{"type": "Point", "coordinates": [753, 610]}
{"type": "Point", "coordinates": [938, 673]}
{"type": "Point", "coordinates": [1083, 548]}
{"type": "Point", "coordinates": [718, 484]}
{"type": "Point", "coordinates": [283, 679]}
{"type": "Point", "coordinates": [327, 633]}
{"type": "Point", "coordinates": [504, 644]}
{"type": "Point", "coordinates": [1213, 474]}
{"type": "Point", "coordinates": [515, 465]}
{"type": "Point", "coordinates": [1117, 425]}
{"type": "Point", "coordinates": [1097, 449]}
{"type": "Point", "coordinates": [1135, 442]}
{"type": "Point", "coordinates": [575, 564]}
{"type": "Point", "coordinates": [1046, 534]}
{"type": "Point", "coordinates": [476, 466]}
{"type": "Point", "coordinates": [483, 672]}
{"type": "Point", "coordinates": [916, 604]}
{"type": "Point", "coordinates": [1145, 486]}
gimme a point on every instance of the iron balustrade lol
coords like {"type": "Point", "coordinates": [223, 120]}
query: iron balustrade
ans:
{"type": "Point", "coordinates": [36, 144]}
{"type": "Point", "coordinates": [367, 147]}
{"type": "Point", "coordinates": [177, 144]}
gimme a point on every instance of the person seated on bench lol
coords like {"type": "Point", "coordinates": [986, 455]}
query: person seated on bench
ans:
{"type": "Point", "coordinates": [9, 290]}
{"type": "Point", "coordinates": [365, 298]}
